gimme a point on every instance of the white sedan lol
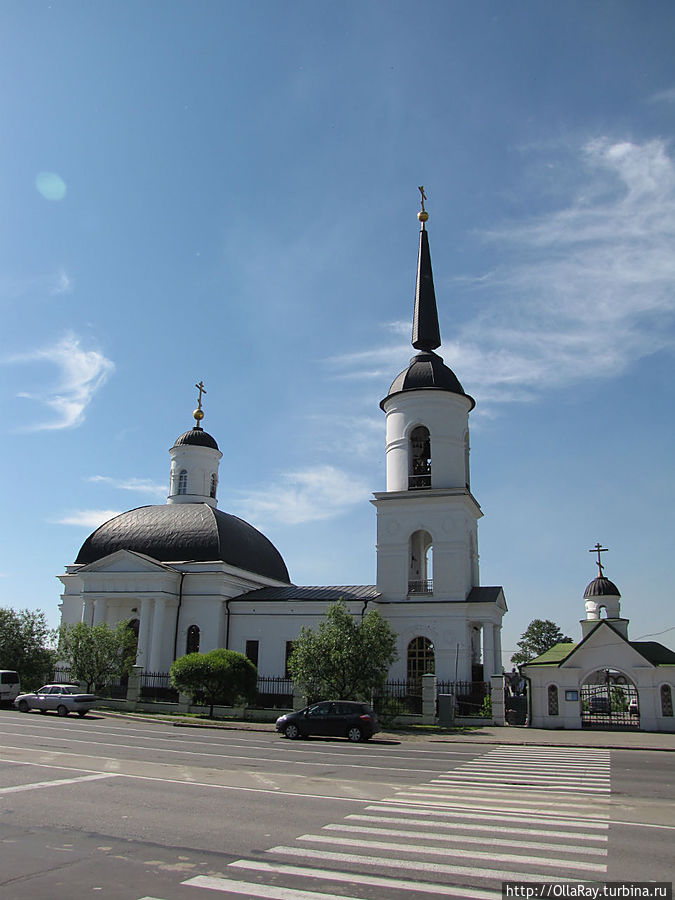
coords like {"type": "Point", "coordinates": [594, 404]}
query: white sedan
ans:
{"type": "Point", "coordinates": [64, 698]}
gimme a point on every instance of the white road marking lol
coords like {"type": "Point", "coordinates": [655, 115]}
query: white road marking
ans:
{"type": "Point", "coordinates": [456, 852]}
{"type": "Point", "coordinates": [251, 889]}
{"type": "Point", "coordinates": [468, 826]}
{"type": "Point", "coordinates": [58, 782]}
{"type": "Point", "coordinates": [488, 815]}
{"type": "Point", "coordinates": [496, 802]}
{"type": "Point", "coordinates": [470, 839]}
{"type": "Point", "coordinates": [414, 865]}
{"type": "Point", "coordinates": [425, 887]}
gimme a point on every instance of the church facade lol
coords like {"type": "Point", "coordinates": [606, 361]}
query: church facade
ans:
{"type": "Point", "coordinates": [605, 680]}
{"type": "Point", "coordinates": [189, 577]}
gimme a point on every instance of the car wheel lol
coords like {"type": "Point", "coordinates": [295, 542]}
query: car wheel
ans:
{"type": "Point", "coordinates": [82, 713]}
{"type": "Point", "coordinates": [355, 734]}
{"type": "Point", "coordinates": [23, 706]}
{"type": "Point", "coordinates": [62, 710]}
{"type": "Point", "coordinates": [292, 731]}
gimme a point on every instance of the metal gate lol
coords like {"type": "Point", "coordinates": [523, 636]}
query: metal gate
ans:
{"type": "Point", "coordinates": [609, 700]}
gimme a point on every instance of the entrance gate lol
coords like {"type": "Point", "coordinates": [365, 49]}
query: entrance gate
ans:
{"type": "Point", "coordinates": [609, 700]}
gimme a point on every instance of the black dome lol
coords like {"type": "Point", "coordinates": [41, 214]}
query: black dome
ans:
{"type": "Point", "coordinates": [186, 531]}
{"type": "Point", "coordinates": [601, 587]}
{"type": "Point", "coordinates": [197, 437]}
{"type": "Point", "coordinates": [427, 371]}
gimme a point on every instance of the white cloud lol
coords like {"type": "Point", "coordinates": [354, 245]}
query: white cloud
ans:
{"type": "Point", "coordinates": [667, 96]}
{"type": "Point", "coordinates": [89, 518]}
{"type": "Point", "coordinates": [318, 493]}
{"type": "Point", "coordinates": [54, 283]}
{"type": "Point", "coordinates": [590, 288]}
{"type": "Point", "coordinates": [138, 485]}
{"type": "Point", "coordinates": [80, 375]}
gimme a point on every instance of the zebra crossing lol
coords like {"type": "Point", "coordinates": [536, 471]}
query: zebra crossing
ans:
{"type": "Point", "coordinates": [515, 814]}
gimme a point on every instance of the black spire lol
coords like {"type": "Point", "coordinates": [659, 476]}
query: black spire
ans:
{"type": "Point", "coordinates": [426, 335]}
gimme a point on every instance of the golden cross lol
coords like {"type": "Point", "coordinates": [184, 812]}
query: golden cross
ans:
{"type": "Point", "coordinates": [202, 390]}
{"type": "Point", "coordinates": [424, 196]}
{"type": "Point", "coordinates": [599, 549]}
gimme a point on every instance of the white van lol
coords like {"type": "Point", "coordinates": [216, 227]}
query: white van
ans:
{"type": "Point", "coordinates": [9, 685]}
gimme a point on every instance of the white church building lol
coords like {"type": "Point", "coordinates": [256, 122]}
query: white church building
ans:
{"type": "Point", "coordinates": [190, 577]}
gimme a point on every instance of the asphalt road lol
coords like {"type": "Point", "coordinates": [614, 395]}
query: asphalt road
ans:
{"type": "Point", "coordinates": [119, 808]}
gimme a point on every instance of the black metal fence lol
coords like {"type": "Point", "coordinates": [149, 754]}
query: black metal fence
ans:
{"type": "Point", "coordinates": [469, 695]}
{"type": "Point", "coordinates": [399, 698]}
{"type": "Point", "coordinates": [274, 692]}
{"type": "Point", "coordinates": [157, 686]}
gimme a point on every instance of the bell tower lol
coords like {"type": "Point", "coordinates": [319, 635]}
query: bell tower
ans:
{"type": "Point", "coordinates": [194, 463]}
{"type": "Point", "coordinates": [427, 518]}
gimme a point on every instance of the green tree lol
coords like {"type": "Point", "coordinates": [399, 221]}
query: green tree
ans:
{"type": "Point", "coordinates": [345, 658]}
{"type": "Point", "coordinates": [26, 645]}
{"type": "Point", "coordinates": [96, 653]}
{"type": "Point", "coordinates": [539, 636]}
{"type": "Point", "coordinates": [222, 676]}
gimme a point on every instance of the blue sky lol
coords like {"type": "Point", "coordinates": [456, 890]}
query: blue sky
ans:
{"type": "Point", "coordinates": [228, 192]}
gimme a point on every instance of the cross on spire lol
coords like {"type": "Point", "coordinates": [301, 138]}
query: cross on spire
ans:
{"type": "Point", "coordinates": [599, 549]}
{"type": "Point", "coordinates": [202, 390]}
{"type": "Point", "coordinates": [198, 414]}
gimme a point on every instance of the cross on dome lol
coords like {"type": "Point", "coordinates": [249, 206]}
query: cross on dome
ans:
{"type": "Point", "coordinates": [599, 549]}
{"type": "Point", "coordinates": [199, 413]}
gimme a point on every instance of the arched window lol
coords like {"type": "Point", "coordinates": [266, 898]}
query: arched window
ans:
{"type": "Point", "coordinates": [419, 475]}
{"type": "Point", "coordinates": [666, 700]}
{"type": "Point", "coordinates": [192, 643]}
{"type": "Point", "coordinates": [421, 568]}
{"type": "Point", "coordinates": [552, 700]}
{"type": "Point", "coordinates": [182, 482]}
{"type": "Point", "coordinates": [421, 659]}
{"type": "Point", "coordinates": [214, 485]}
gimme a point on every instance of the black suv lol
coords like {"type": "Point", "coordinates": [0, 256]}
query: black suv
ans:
{"type": "Point", "coordinates": [331, 718]}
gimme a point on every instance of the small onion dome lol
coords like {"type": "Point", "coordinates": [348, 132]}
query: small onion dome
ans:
{"type": "Point", "coordinates": [186, 531]}
{"type": "Point", "coordinates": [427, 371]}
{"type": "Point", "coordinates": [196, 437]}
{"type": "Point", "coordinates": [601, 587]}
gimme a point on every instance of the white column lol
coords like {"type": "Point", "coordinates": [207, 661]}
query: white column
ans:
{"type": "Point", "coordinates": [156, 644]}
{"type": "Point", "coordinates": [87, 612]}
{"type": "Point", "coordinates": [99, 611]}
{"type": "Point", "coordinates": [488, 651]}
{"type": "Point", "coordinates": [499, 665]}
{"type": "Point", "coordinates": [143, 652]}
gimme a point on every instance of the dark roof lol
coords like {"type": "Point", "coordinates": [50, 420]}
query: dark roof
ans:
{"type": "Point", "coordinates": [186, 531]}
{"type": "Point", "coordinates": [196, 437]}
{"type": "Point", "coordinates": [487, 594]}
{"type": "Point", "coordinates": [309, 592]}
{"type": "Point", "coordinates": [655, 653]}
{"type": "Point", "coordinates": [427, 371]}
{"type": "Point", "coordinates": [601, 587]}
{"type": "Point", "coordinates": [426, 333]}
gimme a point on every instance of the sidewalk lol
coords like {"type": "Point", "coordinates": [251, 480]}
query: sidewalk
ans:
{"type": "Point", "coordinates": [488, 734]}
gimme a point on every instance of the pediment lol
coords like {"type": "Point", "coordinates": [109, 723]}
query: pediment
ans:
{"type": "Point", "coordinates": [605, 647]}
{"type": "Point", "coordinates": [127, 561]}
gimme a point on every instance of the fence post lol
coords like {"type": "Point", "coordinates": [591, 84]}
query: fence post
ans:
{"type": "Point", "coordinates": [429, 699]}
{"type": "Point", "coordinates": [497, 694]}
{"type": "Point", "coordinates": [298, 700]}
{"type": "Point", "coordinates": [184, 702]}
{"type": "Point", "coordinates": [134, 686]}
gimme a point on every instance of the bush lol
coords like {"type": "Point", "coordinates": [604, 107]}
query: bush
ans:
{"type": "Point", "coordinates": [220, 676]}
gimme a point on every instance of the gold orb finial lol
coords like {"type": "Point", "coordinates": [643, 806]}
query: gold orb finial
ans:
{"type": "Point", "coordinates": [198, 413]}
{"type": "Point", "coordinates": [422, 215]}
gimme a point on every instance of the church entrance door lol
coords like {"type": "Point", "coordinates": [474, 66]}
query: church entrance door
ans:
{"type": "Point", "coordinates": [609, 700]}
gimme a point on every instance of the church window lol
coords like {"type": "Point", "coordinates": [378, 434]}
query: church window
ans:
{"type": "Point", "coordinates": [421, 568]}
{"type": "Point", "coordinates": [666, 700]}
{"type": "Point", "coordinates": [289, 650]}
{"type": "Point", "coordinates": [192, 643]}
{"type": "Point", "coordinates": [182, 482]}
{"type": "Point", "coordinates": [214, 484]}
{"type": "Point", "coordinates": [419, 476]}
{"type": "Point", "coordinates": [252, 648]}
{"type": "Point", "coordinates": [421, 658]}
{"type": "Point", "coordinates": [552, 700]}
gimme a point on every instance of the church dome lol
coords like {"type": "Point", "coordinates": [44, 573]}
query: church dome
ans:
{"type": "Point", "coordinates": [601, 587]}
{"type": "Point", "coordinates": [427, 371]}
{"type": "Point", "coordinates": [196, 437]}
{"type": "Point", "coordinates": [186, 531]}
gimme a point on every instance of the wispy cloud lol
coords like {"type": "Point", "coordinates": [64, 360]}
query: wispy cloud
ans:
{"type": "Point", "coordinates": [137, 485]}
{"type": "Point", "coordinates": [88, 518]}
{"type": "Point", "coordinates": [52, 284]}
{"type": "Point", "coordinates": [80, 374]}
{"type": "Point", "coordinates": [590, 287]}
{"type": "Point", "coordinates": [318, 493]}
{"type": "Point", "coordinates": [667, 96]}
